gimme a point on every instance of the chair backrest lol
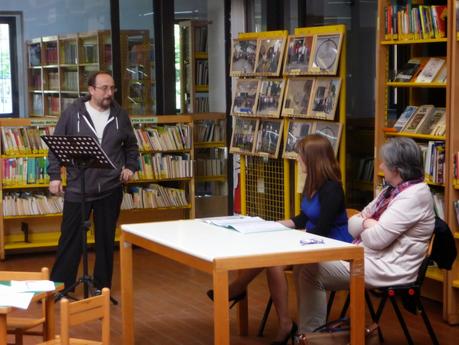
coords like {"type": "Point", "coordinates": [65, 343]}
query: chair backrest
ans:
{"type": "Point", "coordinates": [351, 212]}
{"type": "Point", "coordinates": [93, 308]}
{"type": "Point", "coordinates": [16, 275]}
{"type": "Point", "coordinates": [425, 263]}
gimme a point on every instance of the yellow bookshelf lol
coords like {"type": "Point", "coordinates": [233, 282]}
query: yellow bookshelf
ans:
{"type": "Point", "coordinates": [31, 232]}
{"type": "Point", "coordinates": [440, 95]}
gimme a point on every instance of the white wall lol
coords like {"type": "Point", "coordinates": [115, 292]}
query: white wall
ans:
{"type": "Point", "coordinates": [216, 49]}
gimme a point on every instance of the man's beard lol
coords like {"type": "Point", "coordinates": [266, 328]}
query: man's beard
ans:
{"type": "Point", "coordinates": [105, 103]}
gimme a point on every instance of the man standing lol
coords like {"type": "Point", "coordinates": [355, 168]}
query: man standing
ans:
{"type": "Point", "coordinates": [99, 116]}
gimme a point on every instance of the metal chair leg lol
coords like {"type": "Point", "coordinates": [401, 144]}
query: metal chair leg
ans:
{"type": "Point", "coordinates": [401, 320]}
{"type": "Point", "coordinates": [428, 324]}
{"type": "Point", "coordinates": [263, 321]}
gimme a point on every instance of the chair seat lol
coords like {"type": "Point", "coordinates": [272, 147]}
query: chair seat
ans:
{"type": "Point", "coordinates": [72, 341]}
{"type": "Point", "coordinates": [24, 322]}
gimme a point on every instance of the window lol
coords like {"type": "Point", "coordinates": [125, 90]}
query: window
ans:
{"type": "Point", "coordinates": [8, 68]}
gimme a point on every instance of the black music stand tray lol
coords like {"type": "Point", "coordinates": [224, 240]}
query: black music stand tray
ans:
{"type": "Point", "coordinates": [82, 153]}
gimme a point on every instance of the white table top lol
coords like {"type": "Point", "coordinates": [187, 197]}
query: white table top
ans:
{"type": "Point", "coordinates": [209, 242]}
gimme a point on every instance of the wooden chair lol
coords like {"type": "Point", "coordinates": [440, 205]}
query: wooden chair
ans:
{"type": "Point", "coordinates": [75, 313]}
{"type": "Point", "coordinates": [350, 212]}
{"type": "Point", "coordinates": [20, 326]}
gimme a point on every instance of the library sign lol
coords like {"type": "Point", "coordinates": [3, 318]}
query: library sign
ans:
{"type": "Point", "coordinates": [145, 120]}
{"type": "Point", "coordinates": [41, 123]}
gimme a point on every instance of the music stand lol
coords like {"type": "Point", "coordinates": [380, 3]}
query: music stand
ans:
{"type": "Point", "coordinates": [82, 153]}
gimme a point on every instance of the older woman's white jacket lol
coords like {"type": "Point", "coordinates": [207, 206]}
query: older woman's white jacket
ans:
{"type": "Point", "coordinates": [396, 246]}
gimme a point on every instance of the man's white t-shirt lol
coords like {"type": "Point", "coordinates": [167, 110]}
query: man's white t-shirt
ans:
{"type": "Point", "coordinates": [99, 118]}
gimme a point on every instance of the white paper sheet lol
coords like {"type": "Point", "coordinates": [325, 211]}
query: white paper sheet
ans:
{"type": "Point", "coordinates": [32, 285]}
{"type": "Point", "coordinates": [16, 299]}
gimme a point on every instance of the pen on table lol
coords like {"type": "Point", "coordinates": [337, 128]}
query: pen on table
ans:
{"type": "Point", "coordinates": [311, 241]}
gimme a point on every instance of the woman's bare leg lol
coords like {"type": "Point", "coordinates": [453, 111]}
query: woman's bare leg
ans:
{"type": "Point", "coordinates": [279, 293]}
{"type": "Point", "coordinates": [239, 285]}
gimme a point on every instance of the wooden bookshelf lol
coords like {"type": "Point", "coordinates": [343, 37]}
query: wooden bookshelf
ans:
{"type": "Point", "coordinates": [137, 66]}
{"type": "Point", "coordinates": [211, 155]}
{"type": "Point", "coordinates": [194, 67]}
{"type": "Point", "coordinates": [35, 231]}
{"type": "Point", "coordinates": [411, 93]}
{"type": "Point", "coordinates": [59, 66]}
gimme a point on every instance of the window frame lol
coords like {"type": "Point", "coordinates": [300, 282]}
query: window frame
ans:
{"type": "Point", "coordinates": [12, 23]}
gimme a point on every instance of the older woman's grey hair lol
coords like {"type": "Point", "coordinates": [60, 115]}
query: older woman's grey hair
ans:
{"type": "Point", "coordinates": [403, 155]}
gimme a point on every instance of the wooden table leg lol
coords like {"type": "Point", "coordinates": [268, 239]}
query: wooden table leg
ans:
{"type": "Point", "coordinates": [50, 318]}
{"type": "Point", "coordinates": [221, 308]}
{"type": "Point", "coordinates": [127, 309]}
{"type": "Point", "coordinates": [357, 311]}
{"type": "Point", "coordinates": [3, 329]}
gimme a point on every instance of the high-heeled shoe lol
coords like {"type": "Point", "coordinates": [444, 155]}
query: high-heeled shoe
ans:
{"type": "Point", "coordinates": [290, 335]}
{"type": "Point", "coordinates": [235, 299]}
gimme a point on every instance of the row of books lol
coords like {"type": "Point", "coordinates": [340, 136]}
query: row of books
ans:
{"type": "Point", "coordinates": [35, 79]}
{"type": "Point", "coordinates": [70, 81]}
{"type": "Point", "coordinates": [202, 72]}
{"type": "Point", "coordinates": [51, 54]}
{"type": "Point", "coordinates": [209, 130]}
{"type": "Point", "coordinates": [456, 209]}
{"type": "Point", "coordinates": [365, 170]}
{"type": "Point", "coordinates": [153, 196]}
{"type": "Point", "coordinates": [164, 138]}
{"type": "Point", "coordinates": [306, 97]}
{"type": "Point", "coordinates": [37, 104]}
{"type": "Point", "coordinates": [24, 140]}
{"type": "Point", "coordinates": [434, 161]}
{"type": "Point", "coordinates": [210, 167]}
{"type": "Point", "coordinates": [424, 119]}
{"type": "Point", "coordinates": [159, 166]}
{"type": "Point", "coordinates": [69, 53]}
{"type": "Point", "coordinates": [200, 39]}
{"type": "Point", "coordinates": [16, 171]}
{"type": "Point", "coordinates": [211, 188]}
{"type": "Point", "coordinates": [52, 105]}
{"type": "Point", "coordinates": [51, 79]}
{"type": "Point", "coordinates": [423, 70]}
{"type": "Point", "coordinates": [202, 103]}
{"type": "Point", "coordinates": [305, 54]}
{"type": "Point", "coordinates": [89, 53]}
{"type": "Point", "coordinates": [25, 204]}
{"type": "Point", "coordinates": [456, 166]}
{"type": "Point", "coordinates": [405, 22]}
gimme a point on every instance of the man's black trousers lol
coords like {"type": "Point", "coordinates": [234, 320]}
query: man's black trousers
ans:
{"type": "Point", "coordinates": [105, 215]}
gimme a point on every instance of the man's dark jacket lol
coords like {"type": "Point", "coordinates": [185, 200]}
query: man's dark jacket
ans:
{"type": "Point", "coordinates": [119, 143]}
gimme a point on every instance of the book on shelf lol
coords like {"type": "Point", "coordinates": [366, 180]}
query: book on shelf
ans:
{"type": "Point", "coordinates": [456, 210]}
{"type": "Point", "coordinates": [246, 224]}
{"type": "Point", "coordinates": [408, 21]}
{"type": "Point", "coordinates": [439, 204]}
{"type": "Point", "coordinates": [430, 70]}
{"type": "Point", "coordinates": [408, 71]}
{"type": "Point", "coordinates": [434, 161]}
{"type": "Point", "coordinates": [405, 117]}
{"type": "Point", "coordinates": [437, 123]}
{"type": "Point", "coordinates": [420, 120]}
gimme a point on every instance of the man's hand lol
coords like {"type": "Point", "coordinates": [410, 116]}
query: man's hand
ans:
{"type": "Point", "coordinates": [55, 187]}
{"type": "Point", "coordinates": [126, 175]}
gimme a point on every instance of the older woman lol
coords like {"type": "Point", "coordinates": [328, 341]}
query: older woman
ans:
{"type": "Point", "coordinates": [394, 230]}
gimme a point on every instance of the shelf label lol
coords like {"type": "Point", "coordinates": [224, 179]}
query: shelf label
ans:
{"type": "Point", "coordinates": [135, 121]}
{"type": "Point", "coordinates": [46, 122]}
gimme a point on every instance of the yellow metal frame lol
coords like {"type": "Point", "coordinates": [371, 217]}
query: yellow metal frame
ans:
{"type": "Point", "coordinates": [288, 188]}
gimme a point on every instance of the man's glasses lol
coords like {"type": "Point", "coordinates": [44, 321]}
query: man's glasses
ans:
{"type": "Point", "coordinates": [106, 88]}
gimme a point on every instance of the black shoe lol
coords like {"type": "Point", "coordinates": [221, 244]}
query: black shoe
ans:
{"type": "Point", "coordinates": [290, 335]}
{"type": "Point", "coordinates": [234, 299]}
